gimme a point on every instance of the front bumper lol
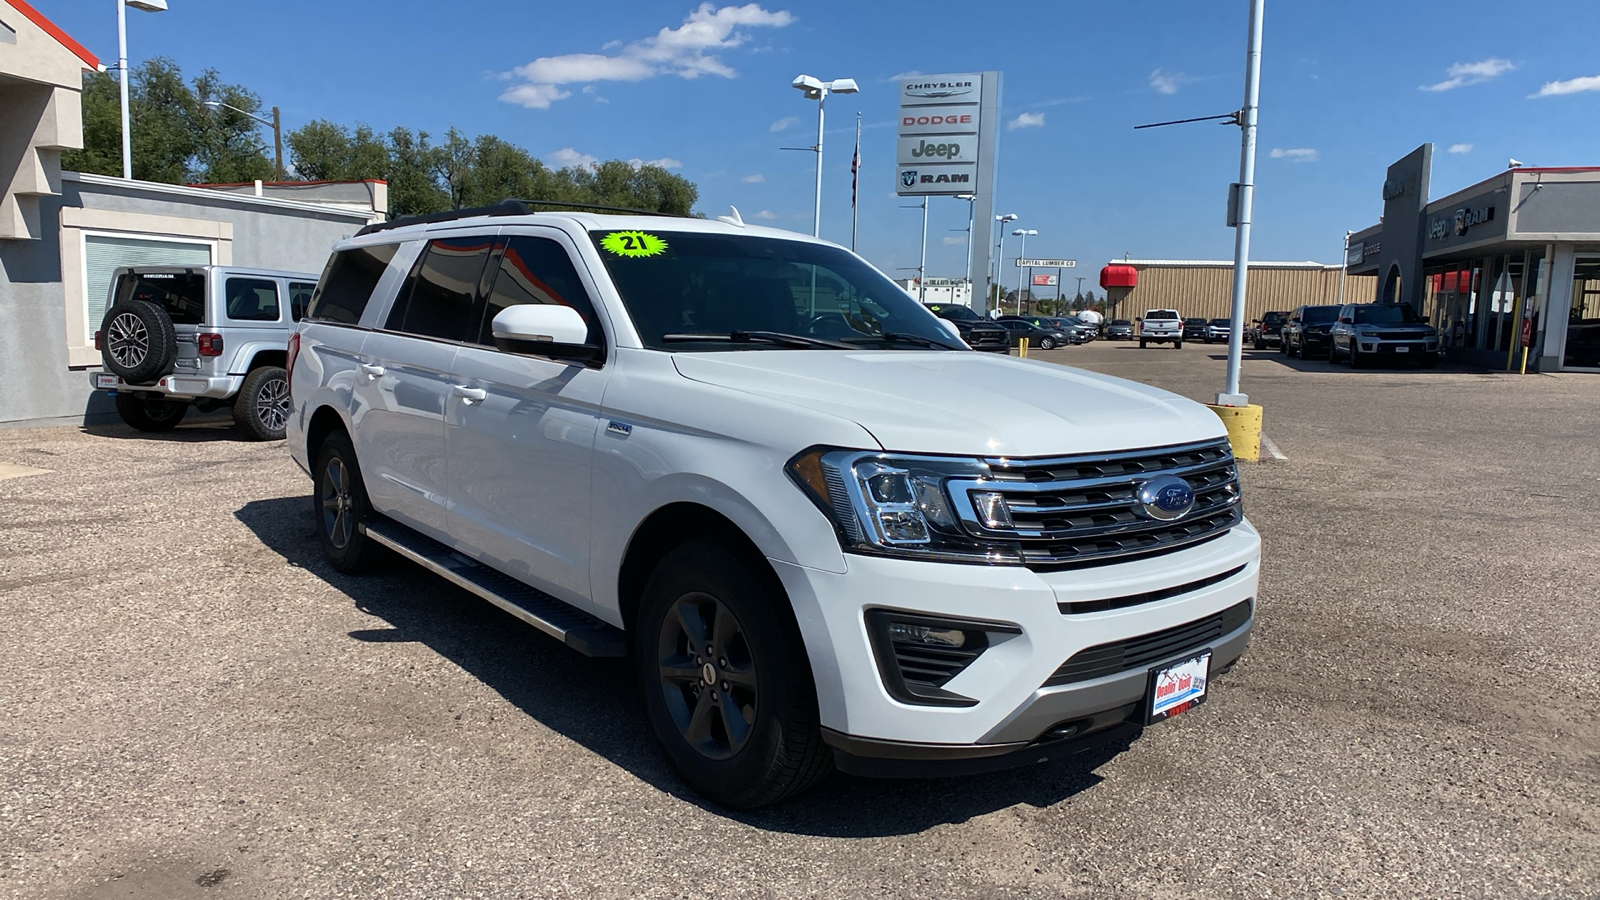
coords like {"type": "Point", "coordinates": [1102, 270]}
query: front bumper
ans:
{"type": "Point", "coordinates": [176, 386]}
{"type": "Point", "coordinates": [1013, 708]}
{"type": "Point", "coordinates": [1397, 349]}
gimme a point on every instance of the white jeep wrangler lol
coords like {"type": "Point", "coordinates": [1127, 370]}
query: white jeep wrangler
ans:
{"type": "Point", "coordinates": [827, 533]}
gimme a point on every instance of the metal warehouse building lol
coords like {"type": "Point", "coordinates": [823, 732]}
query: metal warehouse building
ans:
{"type": "Point", "coordinates": [1204, 287]}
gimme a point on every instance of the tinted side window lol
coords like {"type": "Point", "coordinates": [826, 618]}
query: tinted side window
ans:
{"type": "Point", "coordinates": [536, 270]}
{"type": "Point", "coordinates": [252, 299]}
{"type": "Point", "coordinates": [437, 299]}
{"type": "Point", "coordinates": [347, 283]}
{"type": "Point", "coordinates": [299, 298]}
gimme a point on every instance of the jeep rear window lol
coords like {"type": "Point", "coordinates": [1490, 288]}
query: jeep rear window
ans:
{"type": "Point", "coordinates": [700, 283]}
{"type": "Point", "coordinates": [181, 294]}
{"type": "Point", "coordinates": [1318, 315]}
{"type": "Point", "coordinates": [347, 283]}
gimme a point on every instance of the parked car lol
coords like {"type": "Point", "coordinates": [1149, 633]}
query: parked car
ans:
{"type": "Point", "coordinates": [211, 337]}
{"type": "Point", "coordinates": [1372, 332]}
{"type": "Point", "coordinates": [1218, 330]}
{"type": "Point", "coordinates": [1194, 329]}
{"type": "Point", "coordinates": [1306, 333]}
{"type": "Point", "coordinates": [826, 533]}
{"type": "Point", "coordinates": [1267, 331]}
{"type": "Point", "coordinates": [1119, 330]}
{"type": "Point", "coordinates": [1041, 335]}
{"type": "Point", "coordinates": [979, 333]}
{"type": "Point", "coordinates": [1161, 326]}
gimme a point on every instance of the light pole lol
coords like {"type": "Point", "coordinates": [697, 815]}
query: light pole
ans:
{"type": "Point", "coordinates": [122, 67]}
{"type": "Point", "coordinates": [818, 90]}
{"type": "Point", "coordinates": [972, 203]}
{"type": "Point", "coordinates": [1231, 395]}
{"type": "Point", "coordinates": [999, 254]}
{"type": "Point", "coordinates": [1022, 252]}
{"type": "Point", "coordinates": [1344, 263]}
{"type": "Point", "coordinates": [1080, 285]}
{"type": "Point", "coordinates": [273, 123]}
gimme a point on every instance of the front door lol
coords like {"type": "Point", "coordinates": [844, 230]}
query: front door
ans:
{"type": "Point", "coordinates": [1582, 350]}
{"type": "Point", "coordinates": [521, 432]}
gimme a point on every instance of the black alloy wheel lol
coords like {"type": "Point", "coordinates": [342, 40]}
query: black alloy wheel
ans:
{"type": "Point", "coordinates": [708, 678]}
{"type": "Point", "coordinates": [341, 508]}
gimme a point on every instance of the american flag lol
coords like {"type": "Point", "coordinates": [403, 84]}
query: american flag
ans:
{"type": "Point", "coordinates": [855, 169]}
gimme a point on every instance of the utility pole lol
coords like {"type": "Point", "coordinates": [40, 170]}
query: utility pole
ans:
{"type": "Point", "coordinates": [1344, 263]}
{"type": "Point", "coordinates": [1231, 395]}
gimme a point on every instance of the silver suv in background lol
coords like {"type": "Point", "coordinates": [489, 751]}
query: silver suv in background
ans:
{"type": "Point", "coordinates": [1368, 332]}
{"type": "Point", "coordinates": [201, 336]}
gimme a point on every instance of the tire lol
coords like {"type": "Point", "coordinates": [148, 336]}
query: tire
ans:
{"type": "Point", "coordinates": [150, 415]}
{"type": "Point", "coordinates": [1177, 345]}
{"type": "Point", "coordinates": [262, 407]}
{"type": "Point", "coordinates": [139, 342]}
{"type": "Point", "coordinates": [1143, 344]}
{"type": "Point", "coordinates": [704, 593]}
{"type": "Point", "coordinates": [1355, 356]}
{"type": "Point", "coordinates": [340, 507]}
{"type": "Point", "coordinates": [1047, 343]}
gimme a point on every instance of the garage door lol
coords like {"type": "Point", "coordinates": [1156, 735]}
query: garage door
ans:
{"type": "Point", "coordinates": [102, 255]}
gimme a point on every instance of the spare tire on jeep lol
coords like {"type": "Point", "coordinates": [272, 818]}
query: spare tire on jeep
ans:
{"type": "Point", "coordinates": [138, 341]}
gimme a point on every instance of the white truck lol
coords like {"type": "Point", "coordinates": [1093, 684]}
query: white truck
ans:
{"type": "Point", "coordinates": [1161, 326]}
{"type": "Point", "coordinates": [827, 533]}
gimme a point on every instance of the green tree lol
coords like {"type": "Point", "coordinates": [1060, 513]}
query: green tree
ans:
{"type": "Point", "coordinates": [227, 144]}
{"type": "Point", "coordinates": [414, 174]}
{"type": "Point", "coordinates": [324, 151]}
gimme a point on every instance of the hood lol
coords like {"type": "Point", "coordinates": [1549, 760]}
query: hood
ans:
{"type": "Point", "coordinates": [961, 402]}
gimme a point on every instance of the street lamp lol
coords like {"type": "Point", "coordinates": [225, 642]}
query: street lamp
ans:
{"type": "Point", "coordinates": [999, 254]}
{"type": "Point", "coordinates": [972, 204]}
{"type": "Point", "coordinates": [273, 123]}
{"type": "Point", "coordinates": [818, 90]}
{"type": "Point", "coordinates": [122, 66]}
{"type": "Point", "coordinates": [1021, 253]}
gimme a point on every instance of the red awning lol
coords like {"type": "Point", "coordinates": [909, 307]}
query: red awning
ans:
{"type": "Point", "coordinates": [1119, 276]}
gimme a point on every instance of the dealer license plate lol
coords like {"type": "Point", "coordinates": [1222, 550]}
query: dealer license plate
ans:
{"type": "Point", "coordinates": [105, 380]}
{"type": "Point", "coordinates": [1178, 688]}
{"type": "Point", "coordinates": [1402, 349]}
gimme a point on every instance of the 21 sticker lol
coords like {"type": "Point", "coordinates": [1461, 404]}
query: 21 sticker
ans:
{"type": "Point", "coordinates": [633, 243]}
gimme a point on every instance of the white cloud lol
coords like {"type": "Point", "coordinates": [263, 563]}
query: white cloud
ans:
{"type": "Point", "coordinates": [1026, 120]}
{"type": "Point", "coordinates": [781, 124]}
{"type": "Point", "coordinates": [952, 240]}
{"type": "Point", "coordinates": [1570, 86]}
{"type": "Point", "coordinates": [1462, 74]}
{"type": "Point", "coordinates": [1164, 82]}
{"type": "Point", "coordinates": [568, 158]}
{"type": "Point", "coordinates": [665, 162]}
{"type": "Point", "coordinates": [1460, 148]}
{"type": "Point", "coordinates": [765, 214]}
{"type": "Point", "coordinates": [1295, 154]}
{"type": "Point", "coordinates": [757, 178]}
{"type": "Point", "coordinates": [688, 51]}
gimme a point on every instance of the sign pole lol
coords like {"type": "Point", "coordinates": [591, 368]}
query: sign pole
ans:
{"type": "Point", "coordinates": [1231, 395]}
{"type": "Point", "coordinates": [922, 261]}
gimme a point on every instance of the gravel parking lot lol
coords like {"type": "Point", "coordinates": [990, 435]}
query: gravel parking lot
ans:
{"type": "Point", "coordinates": [195, 705]}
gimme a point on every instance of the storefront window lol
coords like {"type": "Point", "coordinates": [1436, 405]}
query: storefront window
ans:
{"type": "Point", "coordinates": [1583, 323]}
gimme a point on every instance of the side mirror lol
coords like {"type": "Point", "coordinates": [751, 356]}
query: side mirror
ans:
{"type": "Point", "coordinates": [540, 329]}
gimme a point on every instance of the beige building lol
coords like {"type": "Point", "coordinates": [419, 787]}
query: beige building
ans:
{"type": "Point", "coordinates": [1204, 287]}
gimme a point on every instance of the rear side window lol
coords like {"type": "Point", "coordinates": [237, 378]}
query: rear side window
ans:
{"type": "Point", "coordinates": [181, 294]}
{"type": "Point", "coordinates": [252, 299]}
{"type": "Point", "coordinates": [347, 283]}
{"type": "Point", "coordinates": [437, 299]}
{"type": "Point", "coordinates": [536, 270]}
{"type": "Point", "coordinates": [299, 298]}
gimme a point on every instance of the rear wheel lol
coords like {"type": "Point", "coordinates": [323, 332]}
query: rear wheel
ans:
{"type": "Point", "coordinates": [727, 686]}
{"type": "Point", "coordinates": [262, 407]}
{"type": "Point", "coordinates": [151, 415]}
{"type": "Point", "coordinates": [341, 508]}
{"type": "Point", "coordinates": [1177, 345]}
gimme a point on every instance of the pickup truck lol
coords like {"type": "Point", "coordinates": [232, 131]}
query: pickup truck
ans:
{"type": "Point", "coordinates": [1161, 326]}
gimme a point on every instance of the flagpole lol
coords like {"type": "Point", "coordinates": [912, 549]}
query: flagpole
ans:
{"type": "Point", "coordinates": [855, 176]}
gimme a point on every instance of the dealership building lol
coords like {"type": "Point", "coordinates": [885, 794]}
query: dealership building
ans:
{"type": "Point", "coordinates": [1516, 254]}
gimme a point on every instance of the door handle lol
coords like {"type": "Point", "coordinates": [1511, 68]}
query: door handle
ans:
{"type": "Point", "coordinates": [373, 372]}
{"type": "Point", "coordinates": [470, 394]}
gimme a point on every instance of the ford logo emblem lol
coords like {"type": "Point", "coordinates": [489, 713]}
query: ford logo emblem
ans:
{"type": "Point", "coordinates": [1164, 498]}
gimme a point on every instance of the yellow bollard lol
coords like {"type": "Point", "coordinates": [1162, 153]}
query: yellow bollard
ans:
{"type": "Point", "coordinates": [1022, 347]}
{"type": "Point", "coordinates": [1244, 429]}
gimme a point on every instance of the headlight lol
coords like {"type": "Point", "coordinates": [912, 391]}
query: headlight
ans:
{"type": "Point", "coordinates": [890, 505]}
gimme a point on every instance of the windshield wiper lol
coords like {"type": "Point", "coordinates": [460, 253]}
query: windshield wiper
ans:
{"type": "Point", "coordinates": [781, 338]}
{"type": "Point", "coordinates": [900, 337]}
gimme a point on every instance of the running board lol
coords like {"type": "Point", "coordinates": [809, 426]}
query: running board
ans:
{"type": "Point", "coordinates": [573, 627]}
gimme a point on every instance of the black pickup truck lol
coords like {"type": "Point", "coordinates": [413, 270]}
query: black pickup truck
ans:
{"type": "Point", "coordinates": [978, 332]}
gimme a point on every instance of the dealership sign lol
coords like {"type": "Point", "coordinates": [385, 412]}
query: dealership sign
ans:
{"type": "Point", "coordinates": [1025, 263]}
{"type": "Point", "coordinates": [941, 128]}
{"type": "Point", "coordinates": [1461, 223]}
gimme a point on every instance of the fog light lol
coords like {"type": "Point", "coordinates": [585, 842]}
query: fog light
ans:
{"type": "Point", "coordinates": [922, 634]}
{"type": "Point", "coordinates": [992, 509]}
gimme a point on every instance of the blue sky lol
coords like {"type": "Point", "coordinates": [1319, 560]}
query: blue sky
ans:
{"type": "Point", "coordinates": [1348, 87]}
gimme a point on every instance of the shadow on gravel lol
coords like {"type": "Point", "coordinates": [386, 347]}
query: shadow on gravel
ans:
{"type": "Point", "coordinates": [595, 703]}
{"type": "Point", "coordinates": [195, 429]}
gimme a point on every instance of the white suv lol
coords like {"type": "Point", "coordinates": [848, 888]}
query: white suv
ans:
{"type": "Point", "coordinates": [827, 532]}
{"type": "Point", "coordinates": [1161, 326]}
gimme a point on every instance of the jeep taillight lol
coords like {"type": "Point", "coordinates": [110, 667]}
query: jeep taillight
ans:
{"type": "Point", "coordinates": [210, 344]}
{"type": "Point", "coordinates": [288, 363]}
{"type": "Point", "coordinates": [99, 343]}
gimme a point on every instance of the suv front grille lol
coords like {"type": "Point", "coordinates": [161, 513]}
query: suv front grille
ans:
{"type": "Point", "coordinates": [1078, 509]}
{"type": "Point", "coordinates": [1398, 336]}
{"type": "Point", "coordinates": [1148, 649]}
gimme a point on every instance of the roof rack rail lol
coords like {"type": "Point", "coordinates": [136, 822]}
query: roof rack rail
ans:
{"type": "Point", "coordinates": [507, 207]}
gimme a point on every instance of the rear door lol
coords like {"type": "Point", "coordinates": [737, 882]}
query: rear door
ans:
{"type": "Point", "coordinates": [406, 380]}
{"type": "Point", "coordinates": [253, 314]}
{"type": "Point", "coordinates": [521, 430]}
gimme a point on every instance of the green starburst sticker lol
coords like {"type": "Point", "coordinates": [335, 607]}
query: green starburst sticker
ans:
{"type": "Point", "coordinates": [633, 243]}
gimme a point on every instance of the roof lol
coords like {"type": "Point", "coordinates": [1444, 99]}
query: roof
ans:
{"type": "Point", "coordinates": [120, 185]}
{"type": "Point", "coordinates": [1220, 264]}
{"type": "Point", "coordinates": [228, 184]}
{"type": "Point", "coordinates": [400, 229]}
{"type": "Point", "coordinates": [33, 15]}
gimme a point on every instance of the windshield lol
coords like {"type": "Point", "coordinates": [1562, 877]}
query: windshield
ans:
{"type": "Point", "coordinates": [1319, 315]}
{"type": "Point", "coordinates": [1161, 314]}
{"type": "Point", "coordinates": [1386, 315]}
{"type": "Point", "coordinates": [955, 313]}
{"type": "Point", "coordinates": [181, 294]}
{"type": "Point", "coordinates": [1274, 318]}
{"type": "Point", "coordinates": [1221, 323]}
{"type": "Point", "coordinates": [687, 283]}
{"type": "Point", "coordinates": [1121, 322]}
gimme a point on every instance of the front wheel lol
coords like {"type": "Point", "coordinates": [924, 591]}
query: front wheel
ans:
{"type": "Point", "coordinates": [1047, 343]}
{"type": "Point", "coordinates": [1355, 356]}
{"type": "Point", "coordinates": [150, 415]}
{"type": "Point", "coordinates": [727, 686]}
{"type": "Point", "coordinates": [262, 407]}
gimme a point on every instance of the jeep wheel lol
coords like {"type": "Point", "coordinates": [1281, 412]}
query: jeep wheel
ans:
{"type": "Point", "coordinates": [150, 415]}
{"type": "Point", "coordinates": [262, 407]}
{"type": "Point", "coordinates": [727, 686]}
{"type": "Point", "coordinates": [140, 344]}
{"type": "Point", "coordinates": [340, 506]}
